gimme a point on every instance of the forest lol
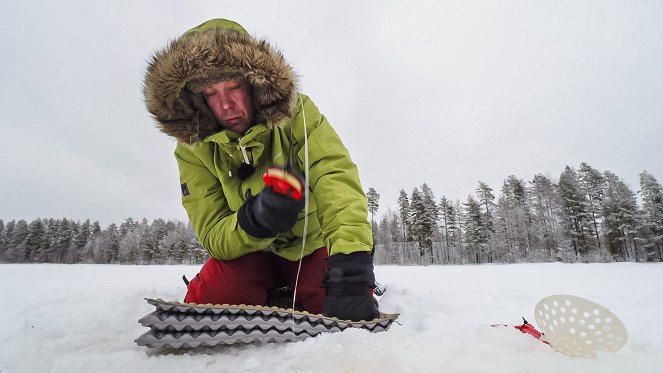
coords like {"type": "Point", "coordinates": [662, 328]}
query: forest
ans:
{"type": "Point", "coordinates": [584, 216]}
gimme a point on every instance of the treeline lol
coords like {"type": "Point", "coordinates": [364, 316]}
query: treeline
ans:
{"type": "Point", "coordinates": [586, 215]}
{"type": "Point", "coordinates": [68, 241]}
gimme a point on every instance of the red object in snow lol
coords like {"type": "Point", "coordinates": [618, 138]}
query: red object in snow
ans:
{"type": "Point", "coordinates": [529, 329]}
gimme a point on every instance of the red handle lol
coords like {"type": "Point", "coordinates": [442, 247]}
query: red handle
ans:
{"type": "Point", "coordinates": [283, 182]}
{"type": "Point", "coordinates": [529, 329]}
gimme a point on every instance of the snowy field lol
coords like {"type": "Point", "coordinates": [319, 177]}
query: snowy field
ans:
{"type": "Point", "coordinates": [83, 318]}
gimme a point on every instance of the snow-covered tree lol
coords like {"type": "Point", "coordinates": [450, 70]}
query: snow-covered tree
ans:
{"type": "Point", "coordinates": [34, 241]}
{"type": "Point", "coordinates": [373, 198]}
{"type": "Point", "coordinates": [6, 240]}
{"type": "Point", "coordinates": [547, 217]}
{"type": "Point", "coordinates": [593, 184]}
{"type": "Point", "coordinates": [404, 209]}
{"type": "Point", "coordinates": [620, 218]}
{"type": "Point", "coordinates": [3, 238]}
{"type": "Point", "coordinates": [130, 247]}
{"type": "Point", "coordinates": [513, 219]}
{"type": "Point", "coordinates": [157, 232]}
{"type": "Point", "coordinates": [16, 248]}
{"type": "Point", "coordinates": [113, 249]}
{"type": "Point", "coordinates": [432, 213]}
{"type": "Point", "coordinates": [474, 230]}
{"type": "Point", "coordinates": [448, 220]}
{"type": "Point", "coordinates": [486, 200]}
{"type": "Point", "coordinates": [389, 238]}
{"type": "Point", "coordinates": [652, 206]}
{"type": "Point", "coordinates": [79, 240]}
{"type": "Point", "coordinates": [418, 223]}
{"type": "Point", "coordinates": [577, 224]}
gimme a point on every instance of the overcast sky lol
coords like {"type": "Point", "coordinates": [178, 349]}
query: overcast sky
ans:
{"type": "Point", "coordinates": [442, 92]}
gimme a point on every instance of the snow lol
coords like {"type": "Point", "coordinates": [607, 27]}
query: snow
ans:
{"type": "Point", "coordinates": [74, 318]}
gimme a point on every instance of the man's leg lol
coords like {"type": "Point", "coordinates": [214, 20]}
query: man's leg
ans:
{"type": "Point", "coordinates": [244, 280]}
{"type": "Point", "coordinates": [310, 294]}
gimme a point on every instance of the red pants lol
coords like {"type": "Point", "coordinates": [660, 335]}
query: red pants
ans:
{"type": "Point", "coordinates": [248, 279]}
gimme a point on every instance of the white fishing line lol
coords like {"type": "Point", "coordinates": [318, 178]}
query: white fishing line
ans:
{"type": "Point", "coordinates": [306, 197]}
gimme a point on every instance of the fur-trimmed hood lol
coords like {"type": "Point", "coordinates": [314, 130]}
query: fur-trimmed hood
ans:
{"type": "Point", "coordinates": [214, 51]}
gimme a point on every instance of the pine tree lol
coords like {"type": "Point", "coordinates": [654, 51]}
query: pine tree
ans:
{"type": "Point", "coordinates": [112, 251]}
{"type": "Point", "coordinates": [64, 232]}
{"type": "Point", "coordinates": [47, 241]}
{"type": "Point", "coordinates": [514, 217]}
{"type": "Point", "coordinates": [619, 210]}
{"type": "Point", "coordinates": [417, 218]}
{"type": "Point", "coordinates": [129, 251]}
{"type": "Point", "coordinates": [575, 210]}
{"type": "Point", "coordinates": [373, 198]}
{"type": "Point", "coordinates": [547, 207]}
{"type": "Point", "coordinates": [448, 224]}
{"type": "Point", "coordinates": [96, 228]}
{"type": "Point", "coordinates": [432, 213]}
{"type": "Point", "coordinates": [16, 248]}
{"type": "Point", "coordinates": [34, 241]}
{"type": "Point", "coordinates": [458, 234]}
{"type": "Point", "coordinates": [145, 241]}
{"type": "Point", "coordinates": [502, 240]}
{"type": "Point", "coordinates": [389, 237]}
{"type": "Point", "coordinates": [593, 184]}
{"type": "Point", "coordinates": [3, 238]}
{"type": "Point", "coordinates": [79, 240]}
{"type": "Point", "coordinates": [404, 209]}
{"type": "Point", "coordinates": [197, 252]}
{"type": "Point", "coordinates": [394, 226]}
{"type": "Point", "coordinates": [158, 231]}
{"type": "Point", "coordinates": [487, 201]}
{"type": "Point", "coordinates": [652, 207]}
{"type": "Point", "coordinates": [382, 242]}
{"type": "Point", "coordinates": [126, 227]}
{"type": "Point", "coordinates": [474, 230]}
{"type": "Point", "coordinates": [87, 251]}
{"type": "Point", "coordinates": [6, 240]}
{"type": "Point", "coordinates": [83, 235]}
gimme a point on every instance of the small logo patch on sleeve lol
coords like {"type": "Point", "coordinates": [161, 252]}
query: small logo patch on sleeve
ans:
{"type": "Point", "coordinates": [185, 190]}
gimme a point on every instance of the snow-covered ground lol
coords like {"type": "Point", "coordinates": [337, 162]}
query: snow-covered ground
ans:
{"type": "Point", "coordinates": [83, 318]}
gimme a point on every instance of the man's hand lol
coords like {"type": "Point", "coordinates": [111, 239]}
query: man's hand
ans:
{"type": "Point", "coordinates": [348, 285]}
{"type": "Point", "coordinates": [268, 213]}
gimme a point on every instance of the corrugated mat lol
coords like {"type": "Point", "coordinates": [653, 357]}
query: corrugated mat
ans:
{"type": "Point", "coordinates": [188, 325]}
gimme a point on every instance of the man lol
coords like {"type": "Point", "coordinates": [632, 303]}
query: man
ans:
{"type": "Point", "coordinates": [231, 102]}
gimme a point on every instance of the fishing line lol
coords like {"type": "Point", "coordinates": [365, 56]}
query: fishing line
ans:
{"type": "Point", "coordinates": [306, 197]}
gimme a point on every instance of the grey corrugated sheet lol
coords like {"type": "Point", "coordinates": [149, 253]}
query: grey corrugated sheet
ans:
{"type": "Point", "coordinates": [180, 325]}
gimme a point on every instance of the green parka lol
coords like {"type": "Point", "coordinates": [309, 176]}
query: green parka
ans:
{"type": "Point", "coordinates": [209, 157]}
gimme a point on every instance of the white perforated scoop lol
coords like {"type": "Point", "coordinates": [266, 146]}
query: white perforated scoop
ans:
{"type": "Point", "coordinates": [576, 326]}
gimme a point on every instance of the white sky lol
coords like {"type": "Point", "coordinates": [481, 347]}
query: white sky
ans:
{"type": "Point", "coordinates": [442, 92]}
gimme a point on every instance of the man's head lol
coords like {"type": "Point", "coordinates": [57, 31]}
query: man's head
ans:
{"type": "Point", "coordinates": [231, 101]}
{"type": "Point", "coordinates": [206, 59]}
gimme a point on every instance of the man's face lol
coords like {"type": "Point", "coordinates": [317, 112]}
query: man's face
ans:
{"type": "Point", "coordinates": [232, 104]}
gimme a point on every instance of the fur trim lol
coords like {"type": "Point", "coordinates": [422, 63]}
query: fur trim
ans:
{"type": "Point", "coordinates": [213, 55]}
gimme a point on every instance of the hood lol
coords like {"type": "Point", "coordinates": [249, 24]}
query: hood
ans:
{"type": "Point", "coordinates": [214, 51]}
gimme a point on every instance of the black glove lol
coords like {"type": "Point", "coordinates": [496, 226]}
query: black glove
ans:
{"type": "Point", "coordinates": [268, 213]}
{"type": "Point", "coordinates": [348, 285]}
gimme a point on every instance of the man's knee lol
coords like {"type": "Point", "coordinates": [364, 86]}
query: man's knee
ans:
{"type": "Point", "coordinates": [244, 280]}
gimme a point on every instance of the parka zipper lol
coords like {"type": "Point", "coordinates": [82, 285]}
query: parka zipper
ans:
{"type": "Point", "coordinates": [243, 149]}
